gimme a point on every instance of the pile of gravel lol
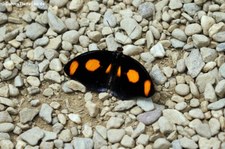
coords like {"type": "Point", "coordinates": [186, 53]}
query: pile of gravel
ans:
{"type": "Point", "coordinates": [180, 42]}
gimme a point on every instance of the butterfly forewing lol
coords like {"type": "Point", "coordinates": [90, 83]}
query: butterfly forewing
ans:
{"type": "Point", "coordinates": [91, 69]}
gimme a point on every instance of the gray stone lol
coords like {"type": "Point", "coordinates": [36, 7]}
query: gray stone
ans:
{"type": "Point", "coordinates": [209, 93]}
{"type": "Point", "coordinates": [114, 122]}
{"type": "Point", "coordinates": [6, 144]}
{"type": "Point", "coordinates": [179, 34]}
{"type": "Point", "coordinates": [55, 23]}
{"type": "Point", "coordinates": [84, 143]}
{"type": "Point", "coordinates": [98, 140]}
{"type": "Point", "coordinates": [219, 37]}
{"type": "Point", "coordinates": [46, 113]}
{"type": "Point", "coordinates": [7, 102]}
{"type": "Point", "coordinates": [145, 104]}
{"type": "Point", "coordinates": [217, 105]}
{"type": "Point", "coordinates": [182, 89]}
{"type": "Point", "coordinates": [191, 8]}
{"type": "Point", "coordinates": [175, 4]}
{"type": "Point", "coordinates": [72, 85]}
{"type": "Point", "coordinates": [55, 64]}
{"type": "Point", "coordinates": [30, 69]}
{"type": "Point", "coordinates": [150, 117]}
{"type": "Point", "coordinates": [200, 40]}
{"type": "Point", "coordinates": [47, 145]}
{"type": "Point", "coordinates": [165, 126]}
{"type": "Point", "coordinates": [109, 19]}
{"type": "Point", "coordinates": [222, 70]}
{"type": "Point", "coordinates": [27, 115]}
{"type": "Point", "coordinates": [127, 141]}
{"type": "Point", "coordinates": [65, 135]}
{"type": "Point", "coordinates": [52, 76]}
{"type": "Point", "coordinates": [206, 23]}
{"type": "Point", "coordinates": [115, 135]}
{"type": "Point", "coordinates": [59, 3]}
{"type": "Point", "coordinates": [71, 36]}
{"type": "Point", "coordinates": [33, 81]}
{"type": "Point", "coordinates": [201, 128]}
{"type": "Point", "coordinates": [158, 50]}
{"type": "Point", "coordinates": [175, 117]}
{"type": "Point", "coordinates": [35, 30]}
{"type": "Point", "coordinates": [220, 47]}
{"type": "Point", "coordinates": [92, 108]}
{"type": "Point", "coordinates": [219, 16]}
{"type": "Point", "coordinates": [146, 9]}
{"type": "Point", "coordinates": [157, 75]}
{"type": "Point", "coordinates": [3, 18]}
{"type": "Point", "coordinates": [192, 29]}
{"type": "Point", "coordinates": [76, 5]}
{"type": "Point", "coordinates": [72, 24]}
{"type": "Point", "coordinates": [75, 118]}
{"type": "Point", "coordinates": [132, 28]}
{"type": "Point", "coordinates": [181, 65]}
{"type": "Point", "coordinates": [6, 127]}
{"type": "Point", "coordinates": [40, 4]}
{"type": "Point", "coordinates": [187, 143]}
{"type": "Point", "coordinates": [220, 88]}
{"type": "Point", "coordinates": [201, 83]}
{"type": "Point", "coordinates": [161, 143]}
{"type": "Point", "coordinates": [143, 139]}
{"type": "Point", "coordinates": [95, 36]}
{"type": "Point", "coordinates": [194, 63]}
{"type": "Point", "coordinates": [54, 44]}
{"type": "Point", "coordinates": [58, 143]}
{"type": "Point", "coordinates": [208, 54]}
{"type": "Point", "coordinates": [196, 113]}
{"type": "Point", "coordinates": [5, 117]}
{"type": "Point", "coordinates": [214, 126]}
{"type": "Point", "coordinates": [124, 105]}
{"type": "Point", "coordinates": [49, 136]}
{"type": "Point", "coordinates": [210, 143]}
{"type": "Point", "coordinates": [32, 136]}
{"type": "Point", "coordinates": [138, 130]}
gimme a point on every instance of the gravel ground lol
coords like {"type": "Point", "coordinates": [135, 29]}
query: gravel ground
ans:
{"type": "Point", "coordinates": [180, 42]}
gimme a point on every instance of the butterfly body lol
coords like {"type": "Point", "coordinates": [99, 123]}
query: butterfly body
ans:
{"type": "Point", "coordinates": [112, 71]}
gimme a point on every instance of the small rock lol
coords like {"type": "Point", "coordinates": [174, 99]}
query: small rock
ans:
{"type": "Point", "coordinates": [109, 19]}
{"type": "Point", "coordinates": [194, 63]}
{"type": "Point", "coordinates": [143, 139]}
{"type": "Point", "coordinates": [30, 69]}
{"type": "Point", "coordinates": [217, 105]}
{"type": "Point", "coordinates": [157, 75]}
{"type": "Point", "coordinates": [165, 126]}
{"type": "Point", "coordinates": [186, 143]}
{"type": "Point", "coordinates": [35, 30]}
{"type": "Point", "coordinates": [146, 9]}
{"type": "Point", "coordinates": [220, 88]}
{"type": "Point", "coordinates": [56, 23]}
{"type": "Point", "coordinates": [46, 113]}
{"type": "Point", "coordinates": [27, 115]}
{"type": "Point", "coordinates": [49, 135]}
{"type": "Point", "coordinates": [214, 126]}
{"type": "Point", "coordinates": [158, 50]}
{"type": "Point", "coordinates": [53, 76]}
{"type": "Point", "coordinates": [208, 54]}
{"type": "Point", "coordinates": [222, 70]}
{"type": "Point", "coordinates": [145, 104]}
{"type": "Point", "coordinates": [5, 117]}
{"type": "Point", "coordinates": [72, 85]}
{"type": "Point", "coordinates": [206, 23]}
{"type": "Point", "coordinates": [76, 5]}
{"type": "Point", "coordinates": [55, 65]}
{"type": "Point", "coordinates": [161, 143]}
{"type": "Point", "coordinates": [3, 18]}
{"type": "Point", "coordinates": [201, 128]}
{"type": "Point", "coordinates": [134, 30]}
{"type": "Point", "coordinates": [65, 135]}
{"type": "Point", "coordinates": [209, 93]}
{"type": "Point", "coordinates": [127, 141]}
{"type": "Point", "coordinates": [87, 131]}
{"type": "Point", "coordinates": [220, 47]}
{"type": "Point", "coordinates": [175, 117]}
{"type": "Point", "coordinates": [71, 36]}
{"type": "Point", "coordinates": [114, 122]}
{"type": "Point", "coordinates": [59, 3]}
{"type": "Point", "coordinates": [180, 106]}
{"type": "Point", "coordinates": [124, 105]}
{"type": "Point", "coordinates": [92, 108]}
{"type": "Point", "coordinates": [132, 50]}
{"type": "Point", "coordinates": [219, 37]}
{"type": "Point", "coordinates": [32, 136]}
{"type": "Point", "coordinates": [182, 89]}
{"type": "Point", "coordinates": [75, 118]}
{"type": "Point", "coordinates": [193, 29]}
{"type": "Point", "coordinates": [7, 102]}
{"type": "Point", "coordinates": [6, 127]}
{"type": "Point", "coordinates": [115, 135]}
{"type": "Point", "coordinates": [139, 130]}
{"type": "Point", "coordinates": [98, 140]}
{"type": "Point", "coordinates": [6, 144]}
{"type": "Point", "coordinates": [191, 8]}
{"type": "Point", "coordinates": [175, 4]}
{"type": "Point", "coordinates": [196, 113]}
{"type": "Point", "coordinates": [179, 34]}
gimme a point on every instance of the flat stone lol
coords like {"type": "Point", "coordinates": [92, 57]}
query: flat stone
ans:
{"type": "Point", "coordinates": [145, 104]}
{"type": "Point", "coordinates": [30, 69]}
{"type": "Point", "coordinates": [138, 130]}
{"type": "Point", "coordinates": [124, 105]}
{"type": "Point", "coordinates": [84, 143]}
{"type": "Point", "coordinates": [98, 140]}
{"type": "Point", "coordinates": [214, 126]}
{"type": "Point", "coordinates": [132, 50]}
{"type": "Point", "coordinates": [196, 113]}
{"type": "Point", "coordinates": [179, 34]}
{"type": "Point", "coordinates": [131, 26]}
{"type": "Point", "coordinates": [143, 139]}
{"type": "Point", "coordinates": [55, 23]}
{"type": "Point", "coordinates": [46, 113]}
{"type": "Point", "coordinates": [158, 50]}
{"type": "Point", "coordinates": [35, 30]}
{"type": "Point", "coordinates": [114, 122]}
{"type": "Point", "coordinates": [53, 44]}
{"type": "Point", "coordinates": [175, 4]}
{"type": "Point", "coordinates": [217, 105]}
{"type": "Point", "coordinates": [186, 143]}
{"type": "Point", "coordinates": [222, 70]}
{"type": "Point", "coordinates": [200, 40]}
{"type": "Point", "coordinates": [209, 143]}
{"type": "Point", "coordinates": [72, 85]}
{"type": "Point", "coordinates": [65, 135]}
{"type": "Point", "coordinates": [33, 81]}
{"type": "Point", "coordinates": [220, 47]}
{"type": "Point", "coordinates": [191, 8]}
{"type": "Point", "coordinates": [127, 141]}
{"type": "Point", "coordinates": [76, 5]}
{"type": "Point", "coordinates": [59, 3]}
{"type": "Point", "coordinates": [115, 135]}
{"type": "Point", "coordinates": [146, 9]}
{"type": "Point", "coordinates": [53, 76]}
{"type": "Point", "coordinates": [206, 23]}
{"type": "Point", "coordinates": [109, 19]}
{"type": "Point", "coordinates": [220, 88]}
{"type": "Point", "coordinates": [71, 36]}
{"type": "Point", "coordinates": [55, 64]}
{"type": "Point", "coordinates": [219, 37]}
{"type": "Point", "coordinates": [161, 143]}
{"type": "Point", "coordinates": [208, 54]}
{"type": "Point", "coordinates": [3, 18]}
{"type": "Point", "coordinates": [27, 115]}
{"type": "Point", "coordinates": [92, 108]}
{"type": "Point", "coordinates": [219, 16]}
{"type": "Point", "coordinates": [150, 117]}
{"type": "Point", "coordinates": [165, 126]}
{"type": "Point", "coordinates": [32, 136]}
{"type": "Point", "coordinates": [157, 75]}
{"type": "Point", "coordinates": [192, 29]}
{"type": "Point", "coordinates": [75, 118]}
{"type": "Point", "coordinates": [175, 117]}
{"type": "Point", "coordinates": [181, 67]}
{"type": "Point", "coordinates": [194, 63]}
{"type": "Point", "coordinates": [5, 117]}
{"type": "Point", "coordinates": [209, 93]}
{"type": "Point", "coordinates": [49, 135]}
{"type": "Point", "coordinates": [201, 83]}
{"type": "Point", "coordinates": [201, 128]}
{"type": "Point", "coordinates": [7, 102]}
{"type": "Point", "coordinates": [6, 127]}
{"type": "Point", "coordinates": [182, 89]}
{"type": "Point", "coordinates": [6, 144]}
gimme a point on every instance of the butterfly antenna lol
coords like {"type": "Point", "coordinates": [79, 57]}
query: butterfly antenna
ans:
{"type": "Point", "coordinates": [130, 34]}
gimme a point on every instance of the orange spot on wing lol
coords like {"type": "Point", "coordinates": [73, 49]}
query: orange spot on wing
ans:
{"type": "Point", "coordinates": [108, 68]}
{"type": "Point", "coordinates": [133, 76]}
{"type": "Point", "coordinates": [147, 87]}
{"type": "Point", "coordinates": [92, 64]}
{"type": "Point", "coordinates": [119, 71]}
{"type": "Point", "coordinates": [73, 67]}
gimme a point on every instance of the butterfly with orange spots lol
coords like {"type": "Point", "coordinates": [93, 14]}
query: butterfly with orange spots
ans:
{"type": "Point", "coordinates": [114, 72]}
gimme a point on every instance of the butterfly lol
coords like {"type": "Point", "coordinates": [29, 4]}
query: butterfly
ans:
{"type": "Point", "coordinates": [111, 71]}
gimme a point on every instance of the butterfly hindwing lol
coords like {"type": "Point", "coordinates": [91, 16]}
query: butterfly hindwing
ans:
{"type": "Point", "coordinates": [91, 69]}
{"type": "Point", "coordinates": [131, 79]}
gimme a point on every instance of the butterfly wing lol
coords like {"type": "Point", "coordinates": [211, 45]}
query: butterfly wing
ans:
{"type": "Point", "coordinates": [92, 69]}
{"type": "Point", "coordinates": [131, 80]}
